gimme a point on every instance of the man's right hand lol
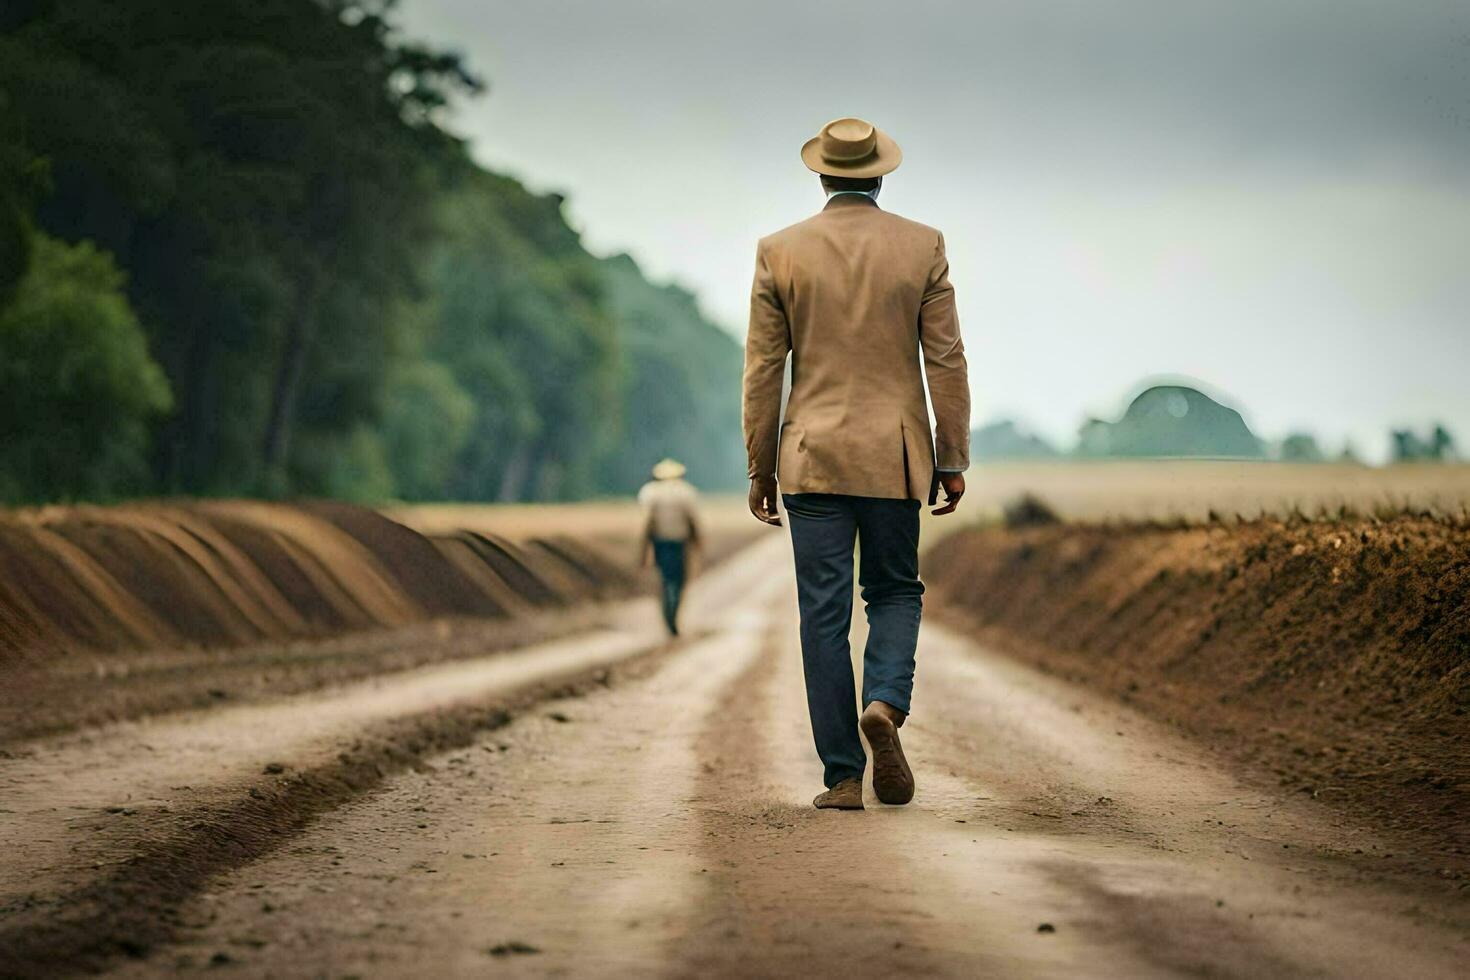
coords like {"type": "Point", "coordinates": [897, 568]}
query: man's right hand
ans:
{"type": "Point", "coordinates": [954, 489]}
{"type": "Point", "coordinates": [763, 500]}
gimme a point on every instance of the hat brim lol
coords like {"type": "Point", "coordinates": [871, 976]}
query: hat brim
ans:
{"type": "Point", "coordinates": [885, 158]}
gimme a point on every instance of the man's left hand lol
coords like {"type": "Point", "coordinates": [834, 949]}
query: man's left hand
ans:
{"type": "Point", "coordinates": [954, 489]}
{"type": "Point", "coordinates": [763, 500]}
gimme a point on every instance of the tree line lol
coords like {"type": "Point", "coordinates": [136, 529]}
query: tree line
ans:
{"type": "Point", "coordinates": [240, 254]}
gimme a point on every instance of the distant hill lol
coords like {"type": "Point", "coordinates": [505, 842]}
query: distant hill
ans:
{"type": "Point", "coordinates": [1005, 439]}
{"type": "Point", "coordinates": [1171, 420]}
{"type": "Point", "coordinates": [682, 391]}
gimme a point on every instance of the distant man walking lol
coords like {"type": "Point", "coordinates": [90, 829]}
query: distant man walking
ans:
{"type": "Point", "coordinates": [854, 294]}
{"type": "Point", "coordinates": [670, 532]}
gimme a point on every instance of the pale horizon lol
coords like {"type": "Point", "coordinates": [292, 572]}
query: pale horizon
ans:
{"type": "Point", "coordinates": [1273, 202]}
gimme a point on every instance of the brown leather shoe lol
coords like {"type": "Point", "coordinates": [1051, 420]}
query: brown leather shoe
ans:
{"type": "Point", "coordinates": [893, 780]}
{"type": "Point", "coordinates": [846, 795]}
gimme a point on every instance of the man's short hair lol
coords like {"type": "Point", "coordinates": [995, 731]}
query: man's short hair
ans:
{"type": "Point", "coordinates": [850, 183]}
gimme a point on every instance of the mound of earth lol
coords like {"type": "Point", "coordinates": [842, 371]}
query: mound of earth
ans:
{"type": "Point", "coordinates": [119, 612]}
{"type": "Point", "coordinates": [1333, 654]}
{"type": "Point", "coordinates": [220, 573]}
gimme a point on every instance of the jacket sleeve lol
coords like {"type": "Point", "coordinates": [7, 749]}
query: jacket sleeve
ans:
{"type": "Point", "coordinates": [767, 343]}
{"type": "Point", "coordinates": [945, 367]}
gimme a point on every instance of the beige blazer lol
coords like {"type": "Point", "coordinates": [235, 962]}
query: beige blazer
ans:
{"type": "Point", "coordinates": [854, 294]}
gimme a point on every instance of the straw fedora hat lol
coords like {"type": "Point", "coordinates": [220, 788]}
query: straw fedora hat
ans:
{"type": "Point", "coordinates": [668, 469]}
{"type": "Point", "coordinates": [850, 147]}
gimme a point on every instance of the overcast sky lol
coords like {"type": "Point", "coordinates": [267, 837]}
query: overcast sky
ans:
{"type": "Point", "coordinates": [1270, 197]}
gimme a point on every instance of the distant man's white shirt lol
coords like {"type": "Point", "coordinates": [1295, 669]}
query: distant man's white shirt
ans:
{"type": "Point", "coordinates": [670, 506]}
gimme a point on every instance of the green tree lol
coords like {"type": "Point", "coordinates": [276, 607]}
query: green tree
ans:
{"type": "Point", "coordinates": [1408, 447]}
{"type": "Point", "coordinates": [263, 169]}
{"type": "Point", "coordinates": [519, 318]}
{"type": "Point", "coordinates": [1301, 447]}
{"type": "Point", "coordinates": [356, 468]}
{"type": "Point", "coordinates": [22, 182]}
{"type": "Point", "coordinates": [78, 388]}
{"type": "Point", "coordinates": [342, 302]}
{"type": "Point", "coordinates": [681, 395]}
{"type": "Point", "coordinates": [429, 421]}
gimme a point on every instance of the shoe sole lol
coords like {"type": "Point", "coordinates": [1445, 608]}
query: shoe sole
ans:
{"type": "Point", "coordinates": [893, 780]}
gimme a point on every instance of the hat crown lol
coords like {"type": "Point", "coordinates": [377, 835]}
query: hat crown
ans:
{"type": "Point", "coordinates": [851, 147]}
{"type": "Point", "coordinates": [668, 469]}
{"type": "Point", "coordinates": [848, 139]}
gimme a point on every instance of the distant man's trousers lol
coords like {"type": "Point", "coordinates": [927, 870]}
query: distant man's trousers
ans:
{"type": "Point", "coordinates": [824, 529]}
{"type": "Point", "coordinates": [669, 557]}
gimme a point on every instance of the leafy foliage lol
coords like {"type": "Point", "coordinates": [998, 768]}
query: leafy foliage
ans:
{"type": "Point", "coordinates": [682, 398]}
{"type": "Point", "coordinates": [1408, 447]}
{"type": "Point", "coordinates": [428, 424]}
{"type": "Point", "coordinates": [341, 301]}
{"type": "Point", "coordinates": [1301, 447]}
{"type": "Point", "coordinates": [77, 387]}
{"type": "Point", "coordinates": [518, 317]}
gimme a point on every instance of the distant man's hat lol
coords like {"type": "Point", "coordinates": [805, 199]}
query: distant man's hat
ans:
{"type": "Point", "coordinates": [851, 147]}
{"type": "Point", "coordinates": [668, 469]}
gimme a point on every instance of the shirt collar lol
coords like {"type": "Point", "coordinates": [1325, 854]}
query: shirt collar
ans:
{"type": "Point", "coordinates": [843, 200]}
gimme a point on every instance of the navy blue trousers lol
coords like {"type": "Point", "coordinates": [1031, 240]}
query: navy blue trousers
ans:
{"type": "Point", "coordinates": [669, 557]}
{"type": "Point", "coordinates": [824, 529]}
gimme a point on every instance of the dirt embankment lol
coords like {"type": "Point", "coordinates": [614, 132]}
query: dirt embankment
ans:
{"type": "Point", "coordinates": [109, 612]}
{"type": "Point", "coordinates": [1334, 654]}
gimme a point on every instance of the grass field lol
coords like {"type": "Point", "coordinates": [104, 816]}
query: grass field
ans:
{"type": "Point", "coordinates": [1190, 489]}
{"type": "Point", "coordinates": [612, 519]}
{"type": "Point", "coordinates": [1091, 491]}
{"type": "Point", "coordinates": [616, 525]}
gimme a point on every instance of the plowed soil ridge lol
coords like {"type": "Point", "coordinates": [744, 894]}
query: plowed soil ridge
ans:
{"type": "Point", "coordinates": [1334, 654]}
{"type": "Point", "coordinates": [231, 572]}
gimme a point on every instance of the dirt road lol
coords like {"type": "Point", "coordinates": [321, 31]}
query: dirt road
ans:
{"type": "Point", "coordinates": [660, 824]}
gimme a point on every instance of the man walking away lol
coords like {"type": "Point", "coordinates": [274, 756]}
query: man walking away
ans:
{"type": "Point", "coordinates": [855, 295]}
{"type": "Point", "coordinates": [670, 532]}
